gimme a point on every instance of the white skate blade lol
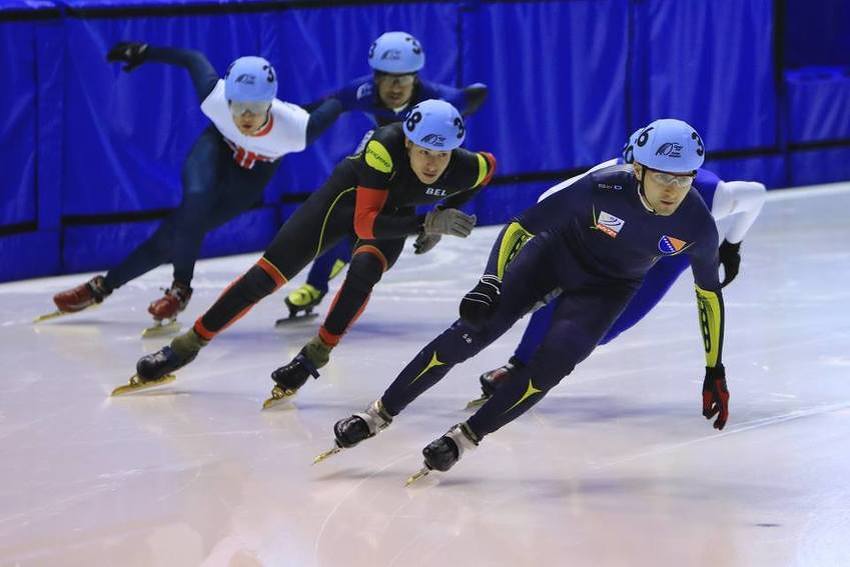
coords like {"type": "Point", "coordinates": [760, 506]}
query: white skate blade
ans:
{"type": "Point", "coordinates": [136, 384]}
{"type": "Point", "coordinates": [329, 453]}
{"type": "Point", "coordinates": [160, 329]}
{"type": "Point", "coordinates": [477, 403]}
{"type": "Point", "coordinates": [423, 472]}
{"type": "Point", "coordinates": [278, 397]}
{"type": "Point", "coordinates": [295, 319]}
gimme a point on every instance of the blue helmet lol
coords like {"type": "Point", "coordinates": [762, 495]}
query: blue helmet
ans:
{"type": "Point", "coordinates": [668, 145]}
{"type": "Point", "coordinates": [398, 53]}
{"type": "Point", "coordinates": [434, 124]}
{"type": "Point", "coordinates": [250, 79]}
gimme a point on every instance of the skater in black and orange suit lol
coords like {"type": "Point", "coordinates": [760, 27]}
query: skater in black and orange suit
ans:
{"type": "Point", "coordinates": [371, 196]}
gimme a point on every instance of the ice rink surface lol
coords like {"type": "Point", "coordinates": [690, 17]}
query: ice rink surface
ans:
{"type": "Point", "coordinates": [616, 466]}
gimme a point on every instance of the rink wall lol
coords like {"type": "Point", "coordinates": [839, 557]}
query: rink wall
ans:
{"type": "Point", "coordinates": [92, 156]}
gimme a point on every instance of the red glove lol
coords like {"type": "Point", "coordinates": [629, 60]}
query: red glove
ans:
{"type": "Point", "coordinates": [715, 396]}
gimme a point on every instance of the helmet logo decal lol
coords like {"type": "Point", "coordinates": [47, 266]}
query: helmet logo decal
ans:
{"type": "Point", "coordinates": [669, 149]}
{"type": "Point", "coordinates": [434, 140]}
{"type": "Point", "coordinates": [391, 55]}
{"type": "Point", "coordinates": [246, 79]}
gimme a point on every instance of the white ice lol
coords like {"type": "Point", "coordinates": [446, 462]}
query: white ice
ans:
{"type": "Point", "coordinates": [615, 467]}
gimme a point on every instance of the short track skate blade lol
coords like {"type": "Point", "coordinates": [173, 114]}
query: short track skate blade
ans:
{"type": "Point", "coordinates": [48, 316]}
{"type": "Point", "coordinates": [295, 319]}
{"type": "Point", "coordinates": [279, 395]}
{"type": "Point", "coordinates": [136, 384]}
{"type": "Point", "coordinates": [477, 403]}
{"type": "Point", "coordinates": [329, 453]}
{"type": "Point", "coordinates": [160, 329]}
{"type": "Point", "coordinates": [423, 472]}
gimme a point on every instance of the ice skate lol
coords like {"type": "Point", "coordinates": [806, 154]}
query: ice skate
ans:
{"type": "Point", "coordinates": [76, 299]}
{"type": "Point", "coordinates": [290, 377]}
{"type": "Point", "coordinates": [490, 382]}
{"type": "Point", "coordinates": [442, 454]}
{"type": "Point", "coordinates": [352, 430]}
{"type": "Point", "coordinates": [166, 308]}
{"type": "Point", "coordinates": [301, 303]}
{"type": "Point", "coordinates": [157, 369]}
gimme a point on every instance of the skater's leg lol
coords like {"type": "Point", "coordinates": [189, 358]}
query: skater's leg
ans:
{"type": "Point", "coordinates": [323, 267]}
{"type": "Point", "coordinates": [200, 173]}
{"type": "Point", "coordinates": [656, 284]}
{"type": "Point", "coordinates": [520, 291]}
{"type": "Point", "coordinates": [534, 332]}
{"type": "Point", "coordinates": [579, 322]}
{"type": "Point", "coordinates": [371, 258]}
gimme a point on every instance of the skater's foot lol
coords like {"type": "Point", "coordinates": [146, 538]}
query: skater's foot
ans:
{"type": "Point", "coordinates": [84, 295]}
{"type": "Point", "coordinates": [352, 430]}
{"type": "Point", "coordinates": [182, 350]}
{"type": "Point", "coordinates": [314, 355]}
{"type": "Point", "coordinates": [442, 453]}
{"type": "Point", "coordinates": [174, 301]}
{"type": "Point", "coordinates": [303, 299]}
{"type": "Point", "coordinates": [492, 380]}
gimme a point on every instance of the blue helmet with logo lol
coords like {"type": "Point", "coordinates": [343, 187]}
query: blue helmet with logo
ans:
{"type": "Point", "coordinates": [434, 124]}
{"type": "Point", "coordinates": [668, 145]}
{"type": "Point", "coordinates": [398, 53]}
{"type": "Point", "coordinates": [250, 79]}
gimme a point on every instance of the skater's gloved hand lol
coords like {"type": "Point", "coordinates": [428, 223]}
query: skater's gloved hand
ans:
{"type": "Point", "coordinates": [730, 259]}
{"type": "Point", "coordinates": [448, 221]}
{"type": "Point", "coordinates": [715, 395]}
{"type": "Point", "coordinates": [130, 52]}
{"type": "Point", "coordinates": [424, 242]}
{"type": "Point", "coordinates": [479, 303]}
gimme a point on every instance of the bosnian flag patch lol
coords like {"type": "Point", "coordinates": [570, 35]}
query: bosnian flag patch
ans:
{"type": "Point", "coordinates": [669, 245]}
{"type": "Point", "coordinates": [609, 224]}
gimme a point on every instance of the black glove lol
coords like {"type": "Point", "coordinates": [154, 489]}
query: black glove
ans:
{"type": "Point", "coordinates": [730, 258]}
{"type": "Point", "coordinates": [130, 52]}
{"type": "Point", "coordinates": [478, 304]}
{"type": "Point", "coordinates": [424, 242]}
{"type": "Point", "coordinates": [715, 396]}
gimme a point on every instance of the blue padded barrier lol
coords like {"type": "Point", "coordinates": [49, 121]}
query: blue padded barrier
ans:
{"type": "Point", "coordinates": [818, 104]}
{"type": "Point", "coordinates": [711, 64]}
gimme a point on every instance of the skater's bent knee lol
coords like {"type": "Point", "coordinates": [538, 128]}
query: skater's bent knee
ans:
{"type": "Point", "coordinates": [258, 283]}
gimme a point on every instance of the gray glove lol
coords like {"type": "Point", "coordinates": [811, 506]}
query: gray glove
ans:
{"type": "Point", "coordinates": [424, 242]}
{"type": "Point", "coordinates": [448, 221]}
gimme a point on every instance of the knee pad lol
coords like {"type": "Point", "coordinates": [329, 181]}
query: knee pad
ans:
{"type": "Point", "coordinates": [256, 284]}
{"type": "Point", "coordinates": [365, 271]}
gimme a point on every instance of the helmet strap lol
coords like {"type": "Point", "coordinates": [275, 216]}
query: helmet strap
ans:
{"type": "Point", "coordinates": [641, 193]}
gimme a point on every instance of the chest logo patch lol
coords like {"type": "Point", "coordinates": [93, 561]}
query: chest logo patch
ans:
{"type": "Point", "coordinates": [435, 191]}
{"type": "Point", "coordinates": [607, 223]}
{"type": "Point", "coordinates": [669, 246]}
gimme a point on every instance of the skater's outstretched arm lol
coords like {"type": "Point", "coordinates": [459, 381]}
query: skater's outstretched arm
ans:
{"type": "Point", "coordinates": [322, 117]}
{"type": "Point", "coordinates": [486, 170]}
{"type": "Point", "coordinates": [134, 53]}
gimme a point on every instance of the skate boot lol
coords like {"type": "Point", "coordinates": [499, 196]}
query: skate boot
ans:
{"type": "Point", "coordinates": [442, 454]}
{"type": "Point", "coordinates": [166, 308]}
{"type": "Point", "coordinates": [157, 369]}
{"type": "Point", "coordinates": [290, 377]}
{"type": "Point", "coordinates": [303, 299]}
{"type": "Point", "coordinates": [76, 299]}
{"type": "Point", "coordinates": [491, 380]}
{"type": "Point", "coordinates": [352, 430]}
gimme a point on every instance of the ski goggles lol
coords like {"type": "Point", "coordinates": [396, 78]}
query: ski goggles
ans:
{"type": "Point", "coordinates": [396, 80]}
{"type": "Point", "coordinates": [672, 179]}
{"type": "Point", "coordinates": [254, 108]}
